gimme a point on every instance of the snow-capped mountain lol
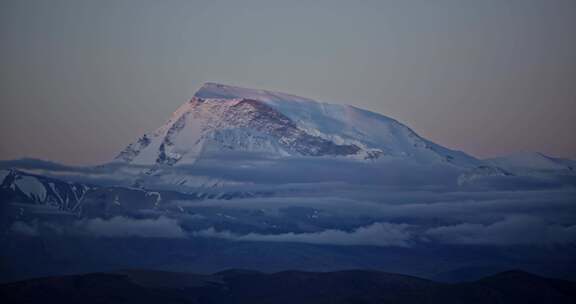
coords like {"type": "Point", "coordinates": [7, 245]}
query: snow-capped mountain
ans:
{"type": "Point", "coordinates": [37, 194]}
{"type": "Point", "coordinates": [221, 118]}
{"type": "Point", "coordinates": [533, 161]}
{"type": "Point", "coordinates": [34, 189]}
{"type": "Point", "coordinates": [32, 193]}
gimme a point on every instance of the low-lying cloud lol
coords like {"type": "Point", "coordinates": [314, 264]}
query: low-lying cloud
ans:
{"type": "Point", "coordinates": [377, 234]}
{"type": "Point", "coordinates": [337, 202]}
{"type": "Point", "coordinates": [515, 230]}
{"type": "Point", "coordinates": [161, 227]}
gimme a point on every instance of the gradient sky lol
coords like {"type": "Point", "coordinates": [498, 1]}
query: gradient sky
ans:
{"type": "Point", "coordinates": [81, 79]}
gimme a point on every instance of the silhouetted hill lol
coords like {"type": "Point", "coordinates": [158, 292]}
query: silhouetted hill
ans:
{"type": "Point", "coordinates": [243, 286]}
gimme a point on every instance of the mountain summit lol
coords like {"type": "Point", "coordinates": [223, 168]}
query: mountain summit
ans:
{"type": "Point", "coordinates": [221, 118]}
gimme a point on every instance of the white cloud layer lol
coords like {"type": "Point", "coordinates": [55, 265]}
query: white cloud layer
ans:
{"type": "Point", "coordinates": [377, 234]}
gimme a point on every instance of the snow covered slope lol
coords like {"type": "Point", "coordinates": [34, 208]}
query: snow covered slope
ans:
{"type": "Point", "coordinates": [17, 186]}
{"type": "Point", "coordinates": [526, 161]}
{"type": "Point", "coordinates": [221, 118]}
{"type": "Point", "coordinates": [23, 193]}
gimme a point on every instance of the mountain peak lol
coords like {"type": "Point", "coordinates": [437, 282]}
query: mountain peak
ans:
{"type": "Point", "coordinates": [212, 90]}
{"type": "Point", "coordinates": [223, 118]}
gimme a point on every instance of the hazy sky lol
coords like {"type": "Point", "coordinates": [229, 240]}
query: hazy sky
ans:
{"type": "Point", "coordinates": [81, 79]}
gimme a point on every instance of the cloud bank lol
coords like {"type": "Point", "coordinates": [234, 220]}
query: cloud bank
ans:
{"type": "Point", "coordinates": [514, 230]}
{"type": "Point", "coordinates": [161, 227]}
{"type": "Point", "coordinates": [377, 234]}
